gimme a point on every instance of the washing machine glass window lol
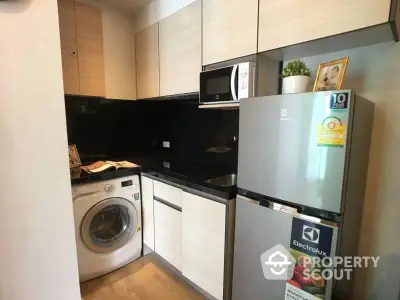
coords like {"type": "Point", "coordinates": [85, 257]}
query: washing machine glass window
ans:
{"type": "Point", "coordinates": [109, 225]}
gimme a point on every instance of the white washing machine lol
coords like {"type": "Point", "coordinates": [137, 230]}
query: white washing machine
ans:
{"type": "Point", "coordinates": [108, 225]}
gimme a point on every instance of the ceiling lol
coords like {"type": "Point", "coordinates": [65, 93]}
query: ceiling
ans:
{"type": "Point", "coordinates": [129, 6]}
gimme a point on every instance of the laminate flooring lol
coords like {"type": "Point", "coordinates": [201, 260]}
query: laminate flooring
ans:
{"type": "Point", "coordinates": [144, 279]}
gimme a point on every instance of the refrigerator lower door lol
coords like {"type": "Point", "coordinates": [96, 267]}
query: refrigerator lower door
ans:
{"type": "Point", "coordinates": [259, 229]}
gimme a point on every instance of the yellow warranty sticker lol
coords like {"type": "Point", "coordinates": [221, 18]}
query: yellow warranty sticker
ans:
{"type": "Point", "coordinates": [331, 132]}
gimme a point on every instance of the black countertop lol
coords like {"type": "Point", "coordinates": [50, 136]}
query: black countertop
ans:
{"type": "Point", "coordinates": [79, 176]}
{"type": "Point", "coordinates": [184, 172]}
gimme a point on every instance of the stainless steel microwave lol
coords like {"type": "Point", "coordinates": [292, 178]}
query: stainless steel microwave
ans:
{"type": "Point", "coordinates": [228, 84]}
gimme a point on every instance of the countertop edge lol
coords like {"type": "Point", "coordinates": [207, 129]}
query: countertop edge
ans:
{"type": "Point", "coordinates": [189, 190]}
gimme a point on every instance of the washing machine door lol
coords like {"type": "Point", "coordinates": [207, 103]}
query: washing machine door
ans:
{"type": "Point", "coordinates": [109, 225]}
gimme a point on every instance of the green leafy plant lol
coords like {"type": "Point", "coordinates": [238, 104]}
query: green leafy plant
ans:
{"type": "Point", "coordinates": [296, 68]}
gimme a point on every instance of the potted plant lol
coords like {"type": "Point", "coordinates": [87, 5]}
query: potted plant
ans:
{"type": "Point", "coordinates": [296, 76]}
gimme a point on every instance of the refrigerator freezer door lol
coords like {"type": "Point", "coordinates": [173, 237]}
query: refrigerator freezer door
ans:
{"type": "Point", "coordinates": [259, 229]}
{"type": "Point", "coordinates": [288, 151]}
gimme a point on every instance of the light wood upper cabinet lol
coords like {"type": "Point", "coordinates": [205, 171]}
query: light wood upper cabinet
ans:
{"type": "Point", "coordinates": [119, 55]}
{"type": "Point", "coordinates": [81, 37]}
{"type": "Point", "coordinates": [66, 12]}
{"type": "Point", "coordinates": [89, 35]}
{"type": "Point", "coordinates": [229, 29]}
{"type": "Point", "coordinates": [147, 67]}
{"type": "Point", "coordinates": [284, 23]}
{"type": "Point", "coordinates": [180, 51]}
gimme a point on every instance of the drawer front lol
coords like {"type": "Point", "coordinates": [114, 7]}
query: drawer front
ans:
{"type": "Point", "coordinates": [168, 234]}
{"type": "Point", "coordinates": [168, 193]}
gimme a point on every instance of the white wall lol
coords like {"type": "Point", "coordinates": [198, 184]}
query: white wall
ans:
{"type": "Point", "coordinates": [157, 10]}
{"type": "Point", "coordinates": [37, 253]}
{"type": "Point", "coordinates": [374, 73]}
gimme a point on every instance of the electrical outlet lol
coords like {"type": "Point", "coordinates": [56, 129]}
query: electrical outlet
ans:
{"type": "Point", "coordinates": [166, 144]}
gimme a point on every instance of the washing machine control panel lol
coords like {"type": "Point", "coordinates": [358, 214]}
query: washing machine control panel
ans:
{"type": "Point", "coordinates": [108, 187]}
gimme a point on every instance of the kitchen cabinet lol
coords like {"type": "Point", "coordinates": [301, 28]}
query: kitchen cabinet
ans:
{"type": "Point", "coordinates": [89, 37]}
{"type": "Point", "coordinates": [203, 243]}
{"type": "Point", "coordinates": [229, 29]}
{"type": "Point", "coordinates": [82, 48]}
{"type": "Point", "coordinates": [66, 13]}
{"type": "Point", "coordinates": [148, 212]}
{"type": "Point", "coordinates": [119, 55]}
{"type": "Point", "coordinates": [168, 233]}
{"type": "Point", "coordinates": [180, 51]}
{"type": "Point", "coordinates": [284, 23]}
{"type": "Point", "coordinates": [147, 63]}
{"type": "Point", "coordinates": [168, 193]}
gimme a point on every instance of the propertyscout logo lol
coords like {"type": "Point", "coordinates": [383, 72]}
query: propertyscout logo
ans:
{"type": "Point", "coordinates": [277, 263]}
{"type": "Point", "coordinates": [308, 265]}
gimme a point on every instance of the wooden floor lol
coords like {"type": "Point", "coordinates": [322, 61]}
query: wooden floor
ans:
{"type": "Point", "coordinates": [143, 279]}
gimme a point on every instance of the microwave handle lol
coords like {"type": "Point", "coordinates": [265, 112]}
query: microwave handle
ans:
{"type": "Point", "coordinates": [233, 76]}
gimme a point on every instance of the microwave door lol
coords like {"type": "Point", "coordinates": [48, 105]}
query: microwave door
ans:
{"type": "Point", "coordinates": [216, 86]}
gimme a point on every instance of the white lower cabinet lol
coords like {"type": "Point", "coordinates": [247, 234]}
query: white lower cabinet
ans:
{"type": "Point", "coordinates": [148, 212]}
{"type": "Point", "coordinates": [168, 233]}
{"type": "Point", "coordinates": [203, 243]}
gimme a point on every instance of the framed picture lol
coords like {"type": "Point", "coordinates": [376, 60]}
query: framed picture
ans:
{"type": "Point", "coordinates": [330, 75]}
{"type": "Point", "coordinates": [74, 160]}
{"type": "Point", "coordinates": [75, 172]}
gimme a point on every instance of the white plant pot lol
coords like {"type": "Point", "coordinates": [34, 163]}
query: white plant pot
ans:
{"type": "Point", "coordinates": [295, 84]}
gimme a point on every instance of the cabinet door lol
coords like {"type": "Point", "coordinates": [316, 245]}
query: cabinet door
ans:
{"type": "Point", "coordinates": [147, 68]}
{"type": "Point", "coordinates": [283, 23]}
{"type": "Point", "coordinates": [119, 56]}
{"type": "Point", "coordinates": [89, 34]}
{"type": "Point", "coordinates": [203, 243]}
{"type": "Point", "coordinates": [148, 212]}
{"type": "Point", "coordinates": [66, 13]}
{"type": "Point", "coordinates": [168, 233]}
{"type": "Point", "coordinates": [180, 51]}
{"type": "Point", "coordinates": [229, 29]}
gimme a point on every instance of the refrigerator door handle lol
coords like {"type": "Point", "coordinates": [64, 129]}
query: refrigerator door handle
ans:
{"type": "Point", "coordinates": [272, 205]}
{"type": "Point", "coordinates": [288, 210]}
{"type": "Point", "coordinates": [248, 199]}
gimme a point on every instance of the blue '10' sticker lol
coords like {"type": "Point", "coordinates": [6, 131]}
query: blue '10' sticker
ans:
{"type": "Point", "coordinates": [339, 100]}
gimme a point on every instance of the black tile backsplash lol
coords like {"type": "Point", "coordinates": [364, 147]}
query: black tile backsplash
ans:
{"type": "Point", "coordinates": [115, 128]}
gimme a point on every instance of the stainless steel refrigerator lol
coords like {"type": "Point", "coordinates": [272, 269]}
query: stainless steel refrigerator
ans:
{"type": "Point", "coordinates": [301, 178]}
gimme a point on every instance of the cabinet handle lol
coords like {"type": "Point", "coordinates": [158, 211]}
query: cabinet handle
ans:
{"type": "Point", "coordinates": [73, 53]}
{"type": "Point", "coordinates": [166, 203]}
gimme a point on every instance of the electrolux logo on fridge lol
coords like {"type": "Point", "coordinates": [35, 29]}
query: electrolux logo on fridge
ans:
{"type": "Point", "coordinates": [310, 238]}
{"type": "Point", "coordinates": [309, 248]}
{"type": "Point", "coordinates": [311, 234]}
